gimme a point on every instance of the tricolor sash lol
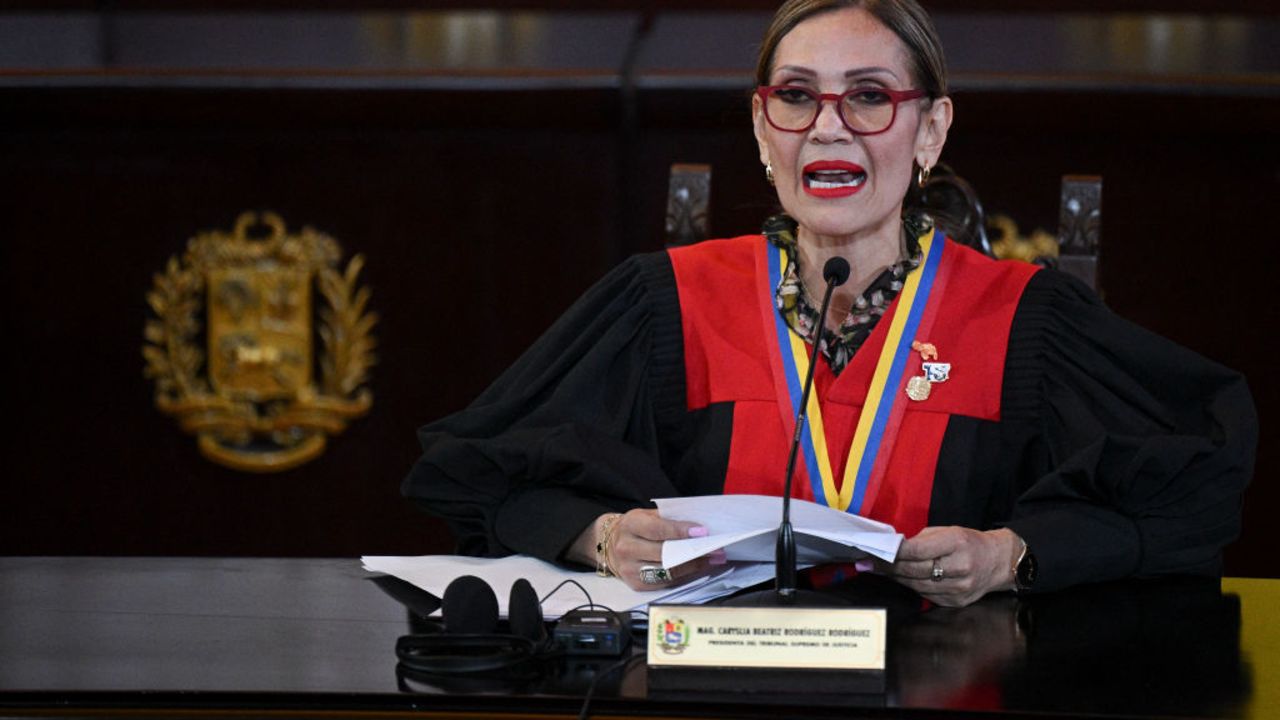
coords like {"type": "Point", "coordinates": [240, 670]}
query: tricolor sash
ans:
{"type": "Point", "coordinates": [881, 416]}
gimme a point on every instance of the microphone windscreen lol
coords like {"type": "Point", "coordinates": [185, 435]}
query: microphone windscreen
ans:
{"type": "Point", "coordinates": [836, 271]}
{"type": "Point", "coordinates": [524, 613]}
{"type": "Point", "coordinates": [469, 607]}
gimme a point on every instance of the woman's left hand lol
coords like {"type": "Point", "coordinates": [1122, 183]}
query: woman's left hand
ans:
{"type": "Point", "coordinates": [970, 563]}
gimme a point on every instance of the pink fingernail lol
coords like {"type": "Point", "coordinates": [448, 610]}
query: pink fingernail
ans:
{"type": "Point", "coordinates": [697, 531]}
{"type": "Point", "coordinates": [864, 566]}
{"type": "Point", "coordinates": [717, 557]}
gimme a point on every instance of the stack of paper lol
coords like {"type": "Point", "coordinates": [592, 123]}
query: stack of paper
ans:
{"type": "Point", "coordinates": [744, 525]}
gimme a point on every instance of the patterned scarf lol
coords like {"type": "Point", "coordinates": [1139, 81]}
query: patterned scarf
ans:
{"type": "Point", "coordinates": [801, 311]}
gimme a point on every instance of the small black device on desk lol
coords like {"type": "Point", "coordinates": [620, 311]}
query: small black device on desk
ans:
{"type": "Point", "coordinates": [591, 631]}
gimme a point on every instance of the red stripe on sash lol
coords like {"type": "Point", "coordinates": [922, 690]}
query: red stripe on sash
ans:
{"type": "Point", "coordinates": [768, 311]}
{"type": "Point", "coordinates": [923, 333]}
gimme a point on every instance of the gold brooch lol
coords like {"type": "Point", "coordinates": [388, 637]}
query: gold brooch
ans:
{"type": "Point", "coordinates": [249, 396]}
{"type": "Point", "coordinates": [920, 386]}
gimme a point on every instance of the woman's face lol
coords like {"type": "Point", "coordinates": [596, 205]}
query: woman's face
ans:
{"type": "Point", "coordinates": [834, 183]}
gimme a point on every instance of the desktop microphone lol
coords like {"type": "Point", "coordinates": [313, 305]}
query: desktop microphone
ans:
{"type": "Point", "coordinates": [835, 272]}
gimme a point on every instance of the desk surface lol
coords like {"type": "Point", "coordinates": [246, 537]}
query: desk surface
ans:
{"type": "Point", "coordinates": [84, 636]}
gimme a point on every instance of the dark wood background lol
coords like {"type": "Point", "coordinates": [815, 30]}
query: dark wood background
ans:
{"type": "Point", "coordinates": [479, 227]}
{"type": "Point", "coordinates": [1264, 7]}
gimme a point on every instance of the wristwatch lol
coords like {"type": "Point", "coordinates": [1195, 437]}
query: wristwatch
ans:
{"type": "Point", "coordinates": [1024, 569]}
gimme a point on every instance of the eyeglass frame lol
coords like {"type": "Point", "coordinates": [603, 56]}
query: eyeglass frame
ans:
{"type": "Point", "coordinates": [895, 96]}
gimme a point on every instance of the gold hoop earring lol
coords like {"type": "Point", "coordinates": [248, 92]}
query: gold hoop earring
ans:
{"type": "Point", "coordinates": [768, 172]}
{"type": "Point", "coordinates": [922, 177]}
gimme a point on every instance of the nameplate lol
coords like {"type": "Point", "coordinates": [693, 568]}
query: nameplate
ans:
{"type": "Point", "coordinates": [748, 637]}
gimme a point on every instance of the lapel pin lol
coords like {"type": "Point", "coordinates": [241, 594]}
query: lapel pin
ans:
{"type": "Point", "coordinates": [920, 386]}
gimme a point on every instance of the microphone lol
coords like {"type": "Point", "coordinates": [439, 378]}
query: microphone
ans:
{"type": "Point", "coordinates": [835, 272]}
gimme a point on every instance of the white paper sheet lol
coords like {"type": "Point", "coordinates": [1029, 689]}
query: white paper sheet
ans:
{"type": "Point", "coordinates": [746, 527]}
{"type": "Point", "coordinates": [433, 573]}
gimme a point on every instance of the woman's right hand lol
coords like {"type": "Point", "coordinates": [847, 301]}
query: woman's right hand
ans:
{"type": "Point", "coordinates": [635, 540]}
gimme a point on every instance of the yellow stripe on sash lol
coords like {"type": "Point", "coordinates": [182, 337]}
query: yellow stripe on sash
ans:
{"type": "Point", "coordinates": [840, 497]}
{"type": "Point", "coordinates": [813, 415]}
{"type": "Point", "coordinates": [875, 393]}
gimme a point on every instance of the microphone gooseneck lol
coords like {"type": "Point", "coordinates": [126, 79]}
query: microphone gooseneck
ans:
{"type": "Point", "coordinates": [835, 272]}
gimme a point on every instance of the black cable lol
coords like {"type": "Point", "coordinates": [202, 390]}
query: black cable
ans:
{"type": "Point", "coordinates": [590, 602]}
{"type": "Point", "coordinates": [586, 701]}
{"type": "Point", "coordinates": [642, 613]}
{"type": "Point", "coordinates": [590, 605]}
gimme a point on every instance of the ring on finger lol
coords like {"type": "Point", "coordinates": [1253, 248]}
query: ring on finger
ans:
{"type": "Point", "coordinates": [938, 573]}
{"type": "Point", "coordinates": [654, 575]}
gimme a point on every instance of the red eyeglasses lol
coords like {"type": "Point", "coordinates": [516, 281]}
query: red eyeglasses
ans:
{"type": "Point", "coordinates": [864, 110]}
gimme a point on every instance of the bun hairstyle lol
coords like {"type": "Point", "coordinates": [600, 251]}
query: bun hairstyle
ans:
{"type": "Point", "coordinates": [905, 18]}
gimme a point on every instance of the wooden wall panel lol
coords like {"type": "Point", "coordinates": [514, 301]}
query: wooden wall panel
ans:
{"type": "Point", "coordinates": [475, 238]}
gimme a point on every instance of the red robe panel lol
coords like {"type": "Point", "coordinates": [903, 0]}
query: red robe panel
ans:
{"type": "Point", "coordinates": [720, 285]}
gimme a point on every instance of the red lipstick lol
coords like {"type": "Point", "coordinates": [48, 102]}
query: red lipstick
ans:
{"type": "Point", "coordinates": [833, 178]}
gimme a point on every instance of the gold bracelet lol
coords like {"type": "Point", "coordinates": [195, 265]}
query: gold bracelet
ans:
{"type": "Point", "coordinates": [602, 545]}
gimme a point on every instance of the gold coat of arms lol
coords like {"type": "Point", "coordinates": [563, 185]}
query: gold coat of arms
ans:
{"type": "Point", "coordinates": [251, 395]}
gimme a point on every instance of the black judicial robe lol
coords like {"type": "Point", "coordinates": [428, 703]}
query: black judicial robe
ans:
{"type": "Point", "coordinates": [1111, 451]}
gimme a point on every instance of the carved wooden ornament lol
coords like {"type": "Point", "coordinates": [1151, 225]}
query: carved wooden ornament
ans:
{"type": "Point", "coordinates": [250, 395]}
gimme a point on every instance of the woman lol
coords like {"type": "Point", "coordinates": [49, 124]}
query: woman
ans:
{"type": "Point", "coordinates": [1028, 439]}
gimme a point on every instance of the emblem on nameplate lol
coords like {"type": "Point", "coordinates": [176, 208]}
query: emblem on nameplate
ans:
{"type": "Point", "coordinates": [673, 635]}
{"type": "Point", "coordinates": [251, 394]}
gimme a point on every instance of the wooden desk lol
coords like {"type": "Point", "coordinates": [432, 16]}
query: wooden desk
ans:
{"type": "Point", "coordinates": [95, 636]}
